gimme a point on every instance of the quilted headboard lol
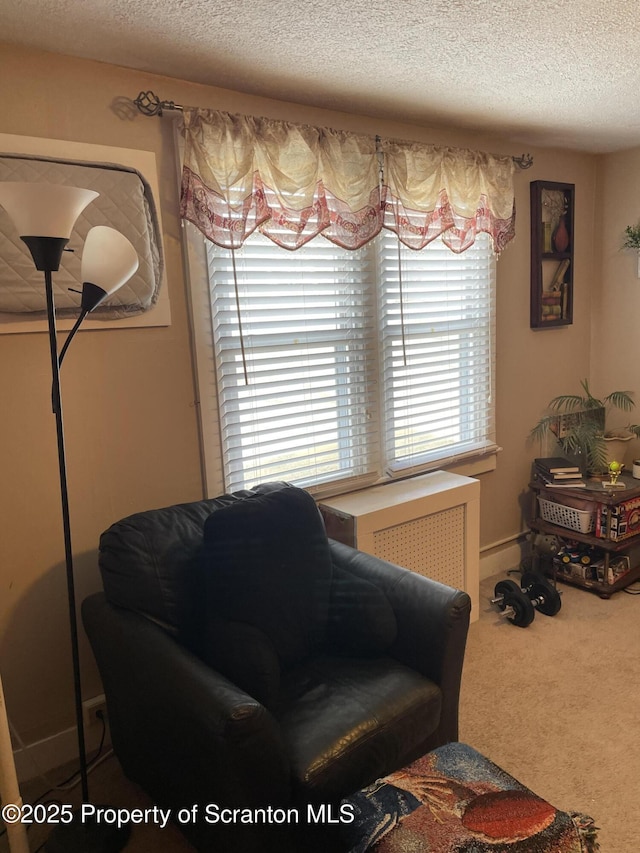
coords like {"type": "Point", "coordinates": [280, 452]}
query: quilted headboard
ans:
{"type": "Point", "coordinates": [125, 203]}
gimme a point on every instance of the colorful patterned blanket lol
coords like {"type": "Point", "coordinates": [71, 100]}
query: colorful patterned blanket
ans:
{"type": "Point", "coordinates": [454, 800]}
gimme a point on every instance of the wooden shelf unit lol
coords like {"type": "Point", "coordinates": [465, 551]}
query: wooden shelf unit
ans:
{"type": "Point", "coordinates": [551, 269]}
{"type": "Point", "coordinates": [604, 502]}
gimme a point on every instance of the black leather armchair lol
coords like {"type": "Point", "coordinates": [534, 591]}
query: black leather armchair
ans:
{"type": "Point", "coordinates": [249, 662]}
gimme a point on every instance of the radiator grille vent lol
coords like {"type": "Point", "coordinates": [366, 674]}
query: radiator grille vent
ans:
{"type": "Point", "coordinates": [431, 546]}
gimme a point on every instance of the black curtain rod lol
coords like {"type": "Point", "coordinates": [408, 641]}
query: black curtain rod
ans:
{"type": "Point", "coordinates": [149, 104]}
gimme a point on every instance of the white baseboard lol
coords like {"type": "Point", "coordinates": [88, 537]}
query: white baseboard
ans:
{"type": "Point", "coordinates": [499, 559]}
{"type": "Point", "coordinates": [46, 755]}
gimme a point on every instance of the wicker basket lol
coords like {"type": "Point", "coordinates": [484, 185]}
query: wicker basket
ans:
{"type": "Point", "coordinates": [566, 516]}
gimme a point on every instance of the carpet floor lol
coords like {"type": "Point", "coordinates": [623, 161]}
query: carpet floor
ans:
{"type": "Point", "coordinates": [556, 705]}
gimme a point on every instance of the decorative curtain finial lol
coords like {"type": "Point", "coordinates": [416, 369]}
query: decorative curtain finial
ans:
{"type": "Point", "coordinates": [149, 104]}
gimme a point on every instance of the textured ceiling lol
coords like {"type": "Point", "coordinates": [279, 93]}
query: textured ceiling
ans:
{"type": "Point", "coordinates": [550, 72]}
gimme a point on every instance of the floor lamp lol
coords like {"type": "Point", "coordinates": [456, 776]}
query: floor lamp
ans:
{"type": "Point", "coordinates": [44, 216]}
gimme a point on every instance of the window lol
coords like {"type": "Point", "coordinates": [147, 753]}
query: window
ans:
{"type": "Point", "coordinates": [337, 366]}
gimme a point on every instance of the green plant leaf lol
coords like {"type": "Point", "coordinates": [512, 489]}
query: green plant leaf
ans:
{"type": "Point", "coordinates": [633, 237]}
{"type": "Point", "coordinates": [585, 424]}
{"type": "Point", "coordinates": [621, 400]}
{"type": "Point", "coordinates": [567, 402]}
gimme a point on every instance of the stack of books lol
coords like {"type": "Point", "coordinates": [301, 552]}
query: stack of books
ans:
{"type": "Point", "coordinates": [558, 472]}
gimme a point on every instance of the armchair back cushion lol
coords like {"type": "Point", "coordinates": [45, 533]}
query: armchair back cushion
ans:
{"type": "Point", "coordinates": [267, 564]}
{"type": "Point", "coordinates": [163, 564]}
{"type": "Point", "coordinates": [362, 622]}
{"type": "Point", "coordinates": [150, 563]}
{"type": "Point", "coordinates": [273, 598]}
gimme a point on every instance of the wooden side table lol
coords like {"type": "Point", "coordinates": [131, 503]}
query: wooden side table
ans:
{"type": "Point", "coordinates": [607, 519]}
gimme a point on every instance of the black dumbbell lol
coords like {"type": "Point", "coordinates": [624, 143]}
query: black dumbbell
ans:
{"type": "Point", "coordinates": [513, 603]}
{"type": "Point", "coordinates": [519, 605]}
{"type": "Point", "coordinates": [542, 594]}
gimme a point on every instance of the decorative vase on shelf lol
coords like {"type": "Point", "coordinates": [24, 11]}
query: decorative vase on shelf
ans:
{"type": "Point", "coordinates": [616, 446]}
{"type": "Point", "coordinates": [561, 235]}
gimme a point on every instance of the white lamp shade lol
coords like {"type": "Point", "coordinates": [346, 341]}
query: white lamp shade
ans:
{"type": "Point", "coordinates": [108, 259]}
{"type": "Point", "coordinates": [44, 210]}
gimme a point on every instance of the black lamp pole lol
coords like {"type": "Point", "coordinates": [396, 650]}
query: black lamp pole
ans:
{"type": "Point", "coordinates": [66, 526]}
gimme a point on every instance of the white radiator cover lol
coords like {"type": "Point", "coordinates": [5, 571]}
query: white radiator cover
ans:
{"type": "Point", "coordinates": [428, 524]}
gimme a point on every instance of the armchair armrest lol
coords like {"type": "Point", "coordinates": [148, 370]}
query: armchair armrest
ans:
{"type": "Point", "coordinates": [181, 730]}
{"type": "Point", "coordinates": [433, 621]}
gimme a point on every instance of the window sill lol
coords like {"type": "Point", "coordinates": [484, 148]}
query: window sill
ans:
{"type": "Point", "coordinates": [478, 466]}
{"type": "Point", "coordinates": [465, 468]}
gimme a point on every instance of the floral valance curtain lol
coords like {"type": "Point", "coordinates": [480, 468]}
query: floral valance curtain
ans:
{"type": "Point", "coordinates": [295, 181]}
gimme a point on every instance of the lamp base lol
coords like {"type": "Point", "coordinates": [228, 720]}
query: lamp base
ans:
{"type": "Point", "coordinates": [87, 836]}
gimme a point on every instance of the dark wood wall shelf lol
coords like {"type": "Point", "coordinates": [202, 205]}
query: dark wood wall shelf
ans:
{"type": "Point", "coordinates": [552, 238]}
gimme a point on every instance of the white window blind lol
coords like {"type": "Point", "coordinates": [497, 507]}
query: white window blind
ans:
{"type": "Point", "coordinates": [336, 366]}
{"type": "Point", "coordinates": [437, 322]}
{"type": "Point", "coordinates": [295, 360]}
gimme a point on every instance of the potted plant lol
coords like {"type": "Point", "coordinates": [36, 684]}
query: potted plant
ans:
{"type": "Point", "coordinates": [632, 241]}
{"type": "Point", "coordinates": [578, 423]}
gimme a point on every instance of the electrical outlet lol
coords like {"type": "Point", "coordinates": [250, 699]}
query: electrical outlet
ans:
{"type": "Point", "coordinates": [91, 708]}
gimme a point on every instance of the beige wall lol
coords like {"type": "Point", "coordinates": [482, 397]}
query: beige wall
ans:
{"type": "Point", "coordinates": [130, 419]}
{"type": "Point", "coordinates": [616, 332]}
